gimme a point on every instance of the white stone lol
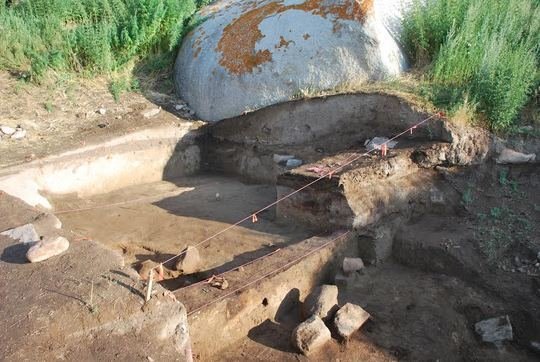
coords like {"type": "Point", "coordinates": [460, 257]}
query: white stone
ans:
{"type": "Point", "coordinates": [508, 156]}
{"type": "Point", "coordinates": [249, 54]}
{"type": "Point", "coordinates": [25, 233]}
{"type": "Point", "coordinates": [151, 112]}
{"type": "Point", "coordinates": [19, 134]}
{"type": "Point", "coordinates": [7, 130]}
{"type": "Point", "coordinates": [102, 111]}
{"type": "Point", "coordinates": [351, 265]}
{"type": "Point", "coordinates": [47, 248]}
{"type": "Point", "coordinates": [349, 319]}
{"type": "Point", "coordinates": [377, 142]}
{"type": "Point", "coordinates": [190, 261]}
{"type": "Point", "coordinates": [311, 335]}
{"type": "Point", "coordinates": [495, 330]}
{"type": "Point", "coordinates": [282, 158]}
{"type": "Point", "coordinates": [322, 302]}
{"type": "Point", "coordinates": [293, 163]}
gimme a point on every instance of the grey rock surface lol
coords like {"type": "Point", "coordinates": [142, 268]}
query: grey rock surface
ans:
{"type": "Point", "coordinates": [310, 335]}
{"type": "Point", "coordinates": [249, 54]}
{"type": "Point", "coordinates": [349, 319]}
{"type": "Point", "coordinates": [322, 302]}
{"type": "Point", "coordinates": [495, 330]}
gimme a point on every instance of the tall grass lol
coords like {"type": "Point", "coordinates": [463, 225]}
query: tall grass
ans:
{"type": "Point", "coordinates": [486, 51]}
{"type": "Point", "coordinates": [90, 36]}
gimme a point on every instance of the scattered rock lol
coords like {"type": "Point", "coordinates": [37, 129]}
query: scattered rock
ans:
{"type": "Point", "coordinates": [508, 156]}
{"type": "Point", "coordinates": [25, 233]}
{"type": "Point", "coordinates": [495, 330]}
{"type": "Point", "coordinates": [351, 265]}
{"type": "Point", "coordinates": [47, 248]}
{"type": "Point", "coordinates": [179, 107]}
{"type": "Point", "coordinates": [322, 302]}
{"type": "Point", "coordinates": [102, 111]}
{"type": "Point", "coordinates": [293, 163]}
{"type": "Point", "coordinates": [349, 319]}
{"type": "Point", "coordinates": [376, 143]}
{"type": "Point", "coordinates": [436, 196]}
{"type": "Point", "coordinates": [20, 133]}
{"type": "Point", "coordinates": [218, 282]}
{"type": "Point", "coordinates": [190, 260]}
{"type": "Point", "coordinates": [7, 130]}
{"type": "Point", "coordinates": [310, 335]}
{"type": "Point", "coordinates": [151, 112]}
{"type": "Point", "coordinates": [282, 158]}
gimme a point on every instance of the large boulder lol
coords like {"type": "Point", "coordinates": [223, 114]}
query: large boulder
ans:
{"type": "Point", "coordinates": [249, 54]}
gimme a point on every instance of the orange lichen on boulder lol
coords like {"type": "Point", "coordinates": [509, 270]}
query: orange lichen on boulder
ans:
{"type": "Point", "coordinates": [237, 44]}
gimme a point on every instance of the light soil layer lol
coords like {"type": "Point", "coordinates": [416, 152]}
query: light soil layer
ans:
{"type": "Point", "coordinates": [158, 220]}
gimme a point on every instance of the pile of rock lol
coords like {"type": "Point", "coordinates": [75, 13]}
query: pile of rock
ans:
{"type": "Point", "coordinates": [321, 309]}
{"type": "Point", "coordinates": [43, 236]}
{"type": "Point", "coordinates": [15, 133]}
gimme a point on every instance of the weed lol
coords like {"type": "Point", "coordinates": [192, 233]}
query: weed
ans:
{"type": "Point", "coordinates": [88, 37]}
{"type": "Point", "coordinates": [485, 52]}
{"type": "Point", "coordinates": [121, 85]}
{"type": "Point", "coordinates": [48, 106]}
{"type": "Point", "coordinates": [467, 196]}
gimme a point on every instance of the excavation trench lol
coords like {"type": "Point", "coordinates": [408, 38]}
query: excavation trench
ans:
{"type": "Point", "coordinates": [148, 197]}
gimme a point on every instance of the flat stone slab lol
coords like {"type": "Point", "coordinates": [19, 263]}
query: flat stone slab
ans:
{"type": "Point", "coordinates": [311, 335]}
{"type": "Point", "coordinates": [349, 319]}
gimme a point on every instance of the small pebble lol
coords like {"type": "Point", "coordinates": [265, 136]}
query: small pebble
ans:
{"type": "Point", "coordinates": [19, 134]}
{"type": "Point", "coordinates": [102, 111]}
{"type": "Point", "coordinates": [7, 130]}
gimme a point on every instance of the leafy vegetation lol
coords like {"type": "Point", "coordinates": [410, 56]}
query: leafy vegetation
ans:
{"type": "Point", "coordinates": [482, 54]}
{"type": "Point", "coordinates": [88, 37]}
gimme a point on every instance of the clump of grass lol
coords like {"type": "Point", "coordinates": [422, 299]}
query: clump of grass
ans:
{"type": "Point", "coordinates": [485, 51]}
{"type": "Point", "coordinates": [89, 37]}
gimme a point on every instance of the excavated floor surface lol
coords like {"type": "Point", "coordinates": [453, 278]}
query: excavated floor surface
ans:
{"type": "Point", "coordinates": [158, 220]}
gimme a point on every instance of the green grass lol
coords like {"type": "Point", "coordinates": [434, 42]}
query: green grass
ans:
{"type": "Point", "coordinates": [484, 51]}
{"type": "Point", "coordinates": [90, 37]}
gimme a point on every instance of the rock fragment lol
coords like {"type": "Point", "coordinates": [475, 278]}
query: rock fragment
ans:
{"type": "Point", "coordinates": [377, 142]}
{"type": "Point", "coordinates": [508, 156]}
{"type": "Point", "coordinates": [293, 163]}
{"type": "Point", "coordinates": [7, 130]}
{"type": "Point", "coordinates": [20, 133]}
{"type": "Point", "coordinates": [282, 158]}
{"type": "Point", "coordinates": [25, 233]}
{"type": "Point", "coordinates": [310, 335]}
{"type": "Point", "coordinates": [151, 112]}
{"type": "Point", "coordinates": [189, 262]}
{"type": "Point", "coordinates": [322, 302]}
{"type": "Point", "coordinates": [47, 248]}
{"type": "Point", "coordinates": [351, 265]}
{"type": "Point", "coordinates": [495, 330]}
{"type": "Point", "coordinates": [349, 319]}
